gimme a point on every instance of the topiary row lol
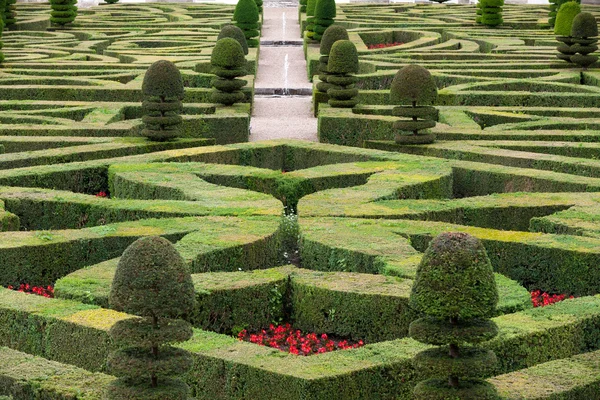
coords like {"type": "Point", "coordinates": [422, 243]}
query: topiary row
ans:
{"type": "Point", "coordinates": [331, 35]}
{"type": "Point", "coordinates": [229, 63]}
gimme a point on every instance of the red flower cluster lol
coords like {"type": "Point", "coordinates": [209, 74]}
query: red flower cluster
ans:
{"type": "Point", "coordinates": [383, 45]}
{"type": "Point", "coordinates": [540, 299]}
{"type": "Point", "coordinates": [285, 338]}
{"type": "Point", "coordinates": [101, 194]}
{"type": "Point", "coordinates": [47, 291]}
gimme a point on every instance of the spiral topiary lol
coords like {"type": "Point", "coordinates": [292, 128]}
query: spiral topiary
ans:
{"type": "Point", "coordinates": [343, 63]}
{"type": "Point", "coordinates": [324, 17]}
{"type": "Point", "coordinates": [413, 85]}
{"type": "Point", "coordinates": [310, 18]}
{"type": "Point", "coordinates": [562, 28]}
{"type": "Point", "coordinates": [163, 91]}
{"type": "Point", "coordinates": [232, 31]}
{"type": "Point", "coordinates": [490, 12]}
{"type": "Point", "coordinates": [456, 290]}
{"type": "Point", "coordinates": [246, 18]}
{"type": "Point", "coordinates": [332, 34]}
{"type": "Point", "coordinates": [151, 281]}
{"type": "Point", "coordinates": [228, 62]}
{"type": "Point", "coordinates": [584, 33]}
{"type": "Point", "coordinates": [63, 12]}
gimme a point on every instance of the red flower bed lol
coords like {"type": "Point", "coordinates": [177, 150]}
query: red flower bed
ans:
{"type": "Point", "coordinates": [540, 299]}
{"type": "Point", "coordinates": [47, 291]}
{"type": "Point", "coordinates": [286, 338]}
{"type": "Point", "coordinates": [383, 45]}
{"type": "Point", "coordinates": [101, 194]}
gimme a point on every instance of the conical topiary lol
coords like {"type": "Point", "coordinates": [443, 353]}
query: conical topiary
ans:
{"type": "Point", "coordinates": [246, 18]}
{"type": "Point", "coordinates": [163, 91]}
{"type": "Point", "coordinates": [310, 18]}
{"type": "Point", "coordinates": [342, 64]}
{"type": "Point", "coordinates": [412, 87]}
{"type": "Point", "coordinates": [228, 62]}
{"type": "Point", "coordinates": [584, 33]}
{"type": "Point", "coordinates": [232, 31]}
{"type": "Point", "coordinates": [324, 17]}
{"type": "Point", "coordinates": [151, 281]}
{"type": "Point", "coordinates": [63, 12]}
{"type": "Point", "coordinates": [490, 12]}
{"type": "Point", "coordinates": [332, 34]}
{"type": "Point", "coordinates": [562, 28]}
{"type": "Point", "coordinates": [456, 291]}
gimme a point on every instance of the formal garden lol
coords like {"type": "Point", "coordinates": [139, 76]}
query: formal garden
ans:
{"type": "Point", "coordinates": [440, 239]}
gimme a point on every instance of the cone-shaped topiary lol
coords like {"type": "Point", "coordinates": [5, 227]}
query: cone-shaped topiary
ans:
{"type": "Point", "coordinates": [332, 34]}
{"type": "Point", "coordinates": [342, 64]}
{"type": "Point", "coordinates": [228, 62]}
{"type": "Point", "coordinates": [490, 12]}
{"type": "Point", "coordinates": [152, 281]}
{"type": "Point", "coordinates": [310, 18]}
{"type": "Point", "coordinates": [163, 90]}
{"type": "Point", "coordinates": [63, 12]}
{"type": "Point", "coordinates": [246, 18]}
{"type": "Point", "coordinates": [232, 31]}
{"type": "Point", "coordinates": [584, 33]}
{"type": "Point", "coordinates": [413, 85]}
{"type": "Point", "coordinates": [456, 290]}
{"type": "Point", "coordinates": [324, 17]}
{"type": "Point", "coordinates": [562, 28]}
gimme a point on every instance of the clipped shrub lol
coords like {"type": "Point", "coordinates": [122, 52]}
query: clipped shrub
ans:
{"type": "Point", "coordinates": [584, 33]}
{"type": "Point", "coordinates": [259, 4]}
{"type": "Point", "coordinates": [153, 282]}
{"type": "Point", "coordinates": [412, 87]}
{"type": "Point", "coordinates": [562, 28]}
{"type": "Point", "coordinates": [302, 5]}
{"type": "Point", "coordinates": [331, 35]}
{"type": "Point", "coordinates": [324, 17]}
{"type": "Point", "coordinates": [554, 7]}
{"type": "Point", "coordinates": [342, 64]}
{"type": "Point", "coordinates": [310, 18]}
{"type": "Point", "coordinates": [63, 12]}
{"type": "Point", "coordinates": [163, 90]}
{"type": "Point", "coordinates": [10, 12]}
{"type": "Point", "coordinates": [232, 31]}
{"type": "Point", "coordinates": [1, 44]}
{"type": "Point", "coordinates": [229, 62]}
{"type": "Point", "coordinates": [456, 290]}
{"type": "Point", "coordinates": [246, 18]}
{"type": "Point", "coordinates": [490, 12]}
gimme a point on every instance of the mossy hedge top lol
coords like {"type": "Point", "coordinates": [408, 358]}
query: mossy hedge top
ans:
{"type": "Point", "coordinates": [413, 83]}
{"type": "Point", "coordinates": [343, 58]}
{"type": "Point", "coordinates": [152, 280]}
{"type": "Point", "coordinates": [246, 11]}
{"type": "Point", "coordinates": [228, 53]}
{"type": "Point", "coordinates": [455, 279]}
{"type": "Point", "coordinates": [163, 79]}
{"type": "Point", "coordinates": [564, 18]}
{"type": "Point", "coordinates": [584, 26]}
{"type": "Point", "coordinates": [232, 31]}
{"type": "Point", "coordinates": [331, 35]}
{"type": "Point", "coordinates": [325, 9]}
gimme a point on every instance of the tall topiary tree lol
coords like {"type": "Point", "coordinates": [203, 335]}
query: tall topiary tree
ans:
{"type": "Point", "coordinates": [228, 62]}
{"type": "Point", "coordinates": [414, 89]}
{"type": "Point", "coordinates": [584, 32]}
{"type": "Point", "coordinates": [343, 63]}
{"type": "Point", "coordinates": [162, 89]}
{"type": "Point", "coordinates": [562, 28]}
{"type": "Point", "coordinates": [324, 17]}
{"type": "Point", "coordinates": [232, 31]}
{"type": "Point", "coordinates": [456, 290]}
{"type": "Point", "coordinates": [554, 7]}
{"type": "Point", "coordinates": [490, 12]}
{"type": "Point", "coordinates": [331, 35]}
{"type": "Point", "coordinates": [246, 18]}
{"type": "Point", "coordinates": [153, 282]}
{"type": "Point", "coordinates": [310, 18]}
{"type": "Point", "coordinates": [10, 12]}
{"type": "Point", "coordinates": [63, 12]}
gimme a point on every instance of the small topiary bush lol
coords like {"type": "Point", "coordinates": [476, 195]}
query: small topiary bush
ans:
{"type": "Point", "coordinates": [310, 18]}
{"type": "Point", "coordinates": [9, 16]}
{"type": "Point", "coordinates": [490, 12]}
{"type": "Point", "coordinates": [232, 31]}
{"type": "Point", "coordinates": [554, 7]}
{"type": "Point", "coordinates": [324, 17]}
{"type": "Point", "coordinates": [63, 12]}
{"type": "Point", "coordinates": [456, 290]}
{"type": "Point", "coordinates": [413, 85]}
{"type": "Point", "coordinates": [584, 33]}
{"type": "Point", "coordinates": [246, 18]}
{"type": "Point", "coordinates": [228, 62]}
{"type": "Point", "coordinates": [331, 35]}
{"type": "Point", "coordinates": [151, 281]}
{"type": "Point", "coordinates": [562, 28]}
{"type": "Point", "coordinates": [342, 64]}
{"type": "Point", "coordinates": [163, 90]}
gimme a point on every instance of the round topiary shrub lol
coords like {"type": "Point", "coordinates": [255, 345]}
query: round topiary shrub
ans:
{"type": "Point", "coordinates": [163, 90]}
{"type": "Point", "coordinates": [228, 62]}
{"type": "Point", "coordinates": [490, 12]}
{"type": "Point", "coordinates": [232, 31]}
{"type": "Point", "coordinates": [331, 35]}
{"type": "Point", "coordinates": [456, 290]}
{"type": "Point", "coordinates": [63, 12]}
{"type": "Point", "coordinates": [562, 28]}
{"type": "Point", "coordinates": [342, 64]}
{"type": "Point", "coordinates": [584, 33]}
{"type": "Point", "coordinates": [324, 17]}
{"type": "Point", "coordinates": [151, 281]}
{"type": "Point", "coordinates": [414, 89]}
{"type": "Point", "coordinates": [246, 18]}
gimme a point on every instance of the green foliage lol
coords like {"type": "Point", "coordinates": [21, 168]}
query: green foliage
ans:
{"type": "Point", "coordinates": [491, 12]}
{"type": "Point", "coordinates": [63, 12]}
{"type": "Point", "coordinates": [228, 61]}
{"type": "Point", "coordinates": [232, 31]}
{"type": "Point", "coordinates": [331, 35]}
{"type": "Point", "coordinates": [310, 18]}
{"type": "Point", "coordinates": [9, 15]}
{"type": "Point", "coordinates": [342, 63]}
{"type": "Point", "coordinates": [228, 54]}
{"type": "Point", "coordinates": [584, 32]}
{"type": "Point", "coordinates": [564, 18]}
{"type": "Point", "coordinates": [343, 58]}
{"type": "Point", "coordinates": [246, 17]}
{"type": "Point", "coordinates": [584, 26]}
{"type": "Point", "coordinates": [325, 11]}
{"type": "Point", "coordinates": [554, 7]}
{"type": "Point", "coordinates": [413, 84]}
{"type": "Point", "coordinates": [259, 4]}
{"type": "Point", "coordinates": [111, 1]}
